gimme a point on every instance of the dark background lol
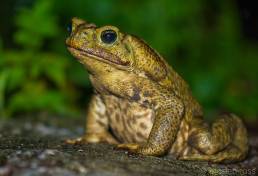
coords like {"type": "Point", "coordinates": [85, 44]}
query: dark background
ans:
{"type": "Point", "coordinates": [212, 44]}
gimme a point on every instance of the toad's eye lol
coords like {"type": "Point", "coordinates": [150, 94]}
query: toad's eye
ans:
{"type": "Point", "coordinates": [108, 36]}
{"type": "Point", "coordinates": [69, 28]}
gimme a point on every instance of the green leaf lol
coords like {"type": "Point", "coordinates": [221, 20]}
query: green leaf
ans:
{"type": "Point", "coordinates": [36, 24]}
{"type": "Point", "coordinates": [35, 97]}
{"type": "Point", "coordinates": [16, 77]}
{"type": "Point", "coordinates": [54, 67]}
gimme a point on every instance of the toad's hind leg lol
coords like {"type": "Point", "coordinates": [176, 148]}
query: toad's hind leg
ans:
{"type": "Point", "coordinates": [225, 141]}
{"type": "Point", "coordinates": [96, 125]}
{"type": "Point", "coordinates": [229, 155]}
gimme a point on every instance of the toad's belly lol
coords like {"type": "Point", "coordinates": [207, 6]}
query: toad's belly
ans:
{"type": "Point", "coordinates": [129, 121]}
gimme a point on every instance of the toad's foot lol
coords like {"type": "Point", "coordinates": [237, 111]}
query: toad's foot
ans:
{"type": "Point", "coordinates": [92, 138]}
{"type": "Point", "coordinates": [78, 140]}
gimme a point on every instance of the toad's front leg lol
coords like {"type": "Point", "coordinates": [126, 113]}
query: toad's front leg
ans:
{"type": "Point", "coordinates": [96, 125]}
{"type": "Point", "coordinates": [168, 116]}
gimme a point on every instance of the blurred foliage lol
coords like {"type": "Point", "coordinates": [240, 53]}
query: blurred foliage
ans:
{"type": "Point", "coordinates": [32, 78]}
{"type": "Point", "coordinates": [201, 39]}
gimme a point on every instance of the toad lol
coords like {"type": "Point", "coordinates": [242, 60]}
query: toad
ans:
{"type": "Point", "coordinates": [143, 105]}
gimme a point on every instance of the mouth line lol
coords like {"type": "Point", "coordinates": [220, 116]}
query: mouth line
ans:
{"type": "Point", "coordinates": [100, 55]}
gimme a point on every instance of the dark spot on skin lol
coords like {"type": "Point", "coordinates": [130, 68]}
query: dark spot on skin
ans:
{"type": "Point", "coordinates": [154, 103]}
{"type": "Point", "coordinates": [101, 123]}
{"type": "Point", "coordinates": [143, 105]}
{"type": "Point", "coordinates": [193, 139]}
{"type": "Point", "coordinates": [197, 114]}
{"type": "Point", "coordinates": [134, 120]}
{"type": "Point", "coordinates": [146, 94]}
{"type": "Point", "coordinates": [129, 123]}
{"type": "Point", "coordinates": [140, 135]}
{"type": "Point", "coordinates": [126, 138]}
{"type": "Point", "coordinates": [117, 117]}
{"type": "Point", "coordinates": [145, 102]}
{"type": "Point", "coordinates": [114, 133]}
{"type": "Point", "coordinates": [125, 125]}
{"type": "Point", "coordinates": [134, 139]}
{"type": "Point", "coordinates": [136, 94]}
{"type": "Point", "coordinates": [143, 126]}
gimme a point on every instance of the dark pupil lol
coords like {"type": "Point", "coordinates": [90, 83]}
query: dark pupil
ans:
{"type": "Point", "coordinates": [108, 36]}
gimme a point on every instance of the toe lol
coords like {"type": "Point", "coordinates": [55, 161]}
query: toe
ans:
{"type": "Point", "coordinates": [130, 146]}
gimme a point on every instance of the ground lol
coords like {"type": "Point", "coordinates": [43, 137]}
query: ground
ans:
{"type": "Point", "coordinates": [37, 148]}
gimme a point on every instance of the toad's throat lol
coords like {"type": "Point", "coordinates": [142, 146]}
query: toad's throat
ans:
{"type": "Point", "coordinates": [101, 55]}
